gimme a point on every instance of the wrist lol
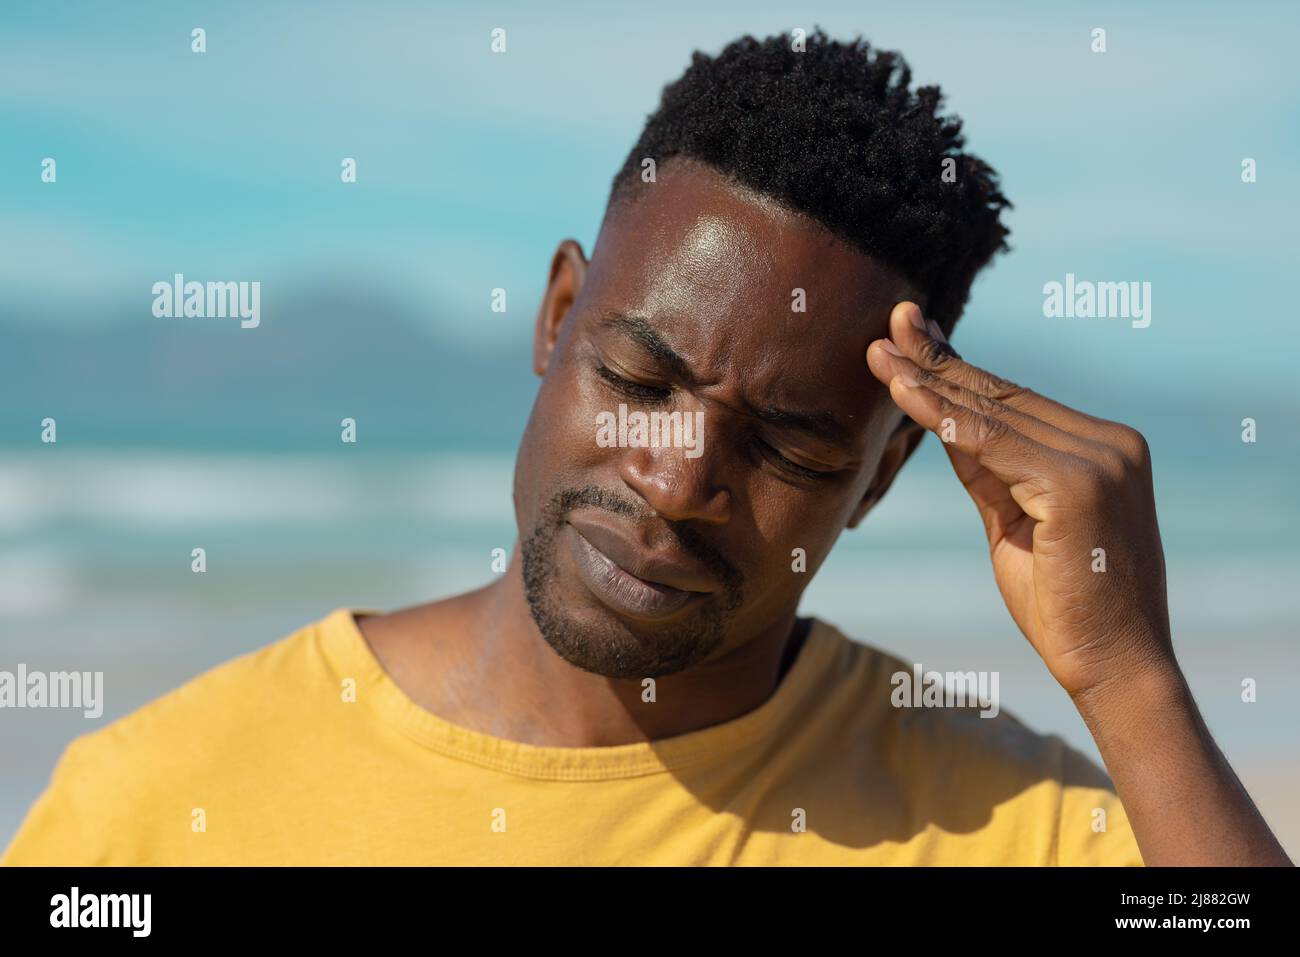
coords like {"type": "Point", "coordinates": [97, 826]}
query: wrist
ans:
{"type": "Point", "coordinates": [1136, 698]}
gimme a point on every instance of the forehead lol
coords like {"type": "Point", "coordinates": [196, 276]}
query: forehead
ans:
{"type": "Point", "coordinates": [743, 287]}
{"type": "Point", "coordinates": [725, 238]}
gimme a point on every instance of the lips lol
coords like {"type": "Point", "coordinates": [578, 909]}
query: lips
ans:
{"type": "Point", "coordinates": [628, 593]}
{"type": "Point", "coordinates": [657, 568]}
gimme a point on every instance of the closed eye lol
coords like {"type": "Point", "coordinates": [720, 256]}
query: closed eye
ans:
{"type": "Point", "coordinates": [646, 393]}
{"type": "Point", "coordinates": [794, 467]}
{"type": "Point", "coordinates": [635, 390]}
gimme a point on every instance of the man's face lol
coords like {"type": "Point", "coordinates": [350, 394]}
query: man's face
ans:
{"type": "Point", "coordinates": [641, 562]}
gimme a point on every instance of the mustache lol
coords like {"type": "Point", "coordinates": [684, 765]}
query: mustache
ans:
{"type": "Point", "coordinates": [687, 538]}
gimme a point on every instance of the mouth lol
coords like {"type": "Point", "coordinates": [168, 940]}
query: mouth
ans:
{"type": "Point", "coordinates": [644, 596]}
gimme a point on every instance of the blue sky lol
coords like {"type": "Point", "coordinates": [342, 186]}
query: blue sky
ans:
{"type": "Point", "coordinates": [1122, 166]}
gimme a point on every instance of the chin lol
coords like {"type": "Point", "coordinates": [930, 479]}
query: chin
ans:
{"type": "Point", "coordinates": [602, 619]}
{"type": "Point", "coordinates": [595, 639]}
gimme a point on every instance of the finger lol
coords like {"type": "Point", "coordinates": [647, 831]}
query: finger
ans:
{"type": "Point", "coordinates": [909, 330]}
{"type": "Point", "coordinates": [997, 446]}
{"type": "Point", "coordinates": [887, 360]}
{"type": "Point", "coordinates": [998, 508]}
{"type": "Point", "coordinates": [993, 498]}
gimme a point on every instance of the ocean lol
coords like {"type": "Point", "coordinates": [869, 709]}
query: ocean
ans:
{"type": "Point", "coordinates": [95, 575]}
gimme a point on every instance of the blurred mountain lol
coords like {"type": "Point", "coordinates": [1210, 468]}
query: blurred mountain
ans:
{"type": "Point", "coordinates": [336, 350]}
{"type": "Point", "coordinates": [317, 357]}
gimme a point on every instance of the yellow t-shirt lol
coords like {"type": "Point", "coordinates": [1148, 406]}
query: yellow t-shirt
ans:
{"type": "Point", "coordinates": [264, 761]}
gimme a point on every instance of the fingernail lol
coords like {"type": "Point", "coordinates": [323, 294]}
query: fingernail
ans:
{"type": "Point", "coordinates": [892, 349]}
{"type": "Point", "coordinates": [918, 320]}
{"type": "Point", "coordinates": [907, 380]}
{"type": "Point", "coordinates": [935, 331]}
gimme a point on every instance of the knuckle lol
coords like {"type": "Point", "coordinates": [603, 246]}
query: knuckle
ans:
{"type": "Point", "coordinates": [1001, 389]}
{"type": "Point", "coordinates": [1112, 468]}
{"type": "Point", "coordinates": [988, 406]}
{"type": "Point", "coordinates": [929, 379]}
{"type": "Point", "coordinates": [989, 430]}
{"type": "Point", "coordinates": [949, 408]}
{"type": "Point", "coordinates": [936, 355]}
{"type": "Point", "coordinates": [1133, 445]}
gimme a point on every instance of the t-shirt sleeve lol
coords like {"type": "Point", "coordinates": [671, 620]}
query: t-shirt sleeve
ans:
{"type": "Point", "coordinates": [1093, 829]}
{"type": "Point", "coordinates": [57, 830]}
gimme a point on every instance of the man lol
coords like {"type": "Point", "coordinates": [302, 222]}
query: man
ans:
{"type": "Point", "coordinates": [784, 253]}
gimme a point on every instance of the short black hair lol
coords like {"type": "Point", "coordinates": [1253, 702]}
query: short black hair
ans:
{"type": "Point", "coordinates": [834, 132]}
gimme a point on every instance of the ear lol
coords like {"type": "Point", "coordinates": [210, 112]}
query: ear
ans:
{"type": "Point", "coordinates": [902, 443]}
{"type": "Point", "coordinates": [568, 272]}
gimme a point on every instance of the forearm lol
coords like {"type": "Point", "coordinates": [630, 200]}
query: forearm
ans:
{"type": "Point", "coordinates": [1183, 800]}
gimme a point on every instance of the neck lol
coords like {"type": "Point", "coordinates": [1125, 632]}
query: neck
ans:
{"type": "Point", "coordinates": [500, 677]}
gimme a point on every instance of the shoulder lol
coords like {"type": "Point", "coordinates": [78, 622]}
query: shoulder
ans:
{"type": "Point", "coordinates": [236, 722]}
{"type": "Point", "coordinates": [917, 713]}
{"type": "Point", "coordinates": [952, 752]}
{"type": "Point", "coordinates": [217, 708]}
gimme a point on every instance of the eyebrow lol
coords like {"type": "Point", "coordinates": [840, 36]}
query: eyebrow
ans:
{"type": "Point", "coordinates": [822, 425]}
{"type": "Point", "coordinates": [643, 334]}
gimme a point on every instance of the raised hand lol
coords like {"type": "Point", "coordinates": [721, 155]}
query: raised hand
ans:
{"type": "Point", "coordinates": [1066, 500]}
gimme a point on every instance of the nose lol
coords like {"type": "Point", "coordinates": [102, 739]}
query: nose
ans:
{"type": "Point", "coordinates": [676, 486]}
